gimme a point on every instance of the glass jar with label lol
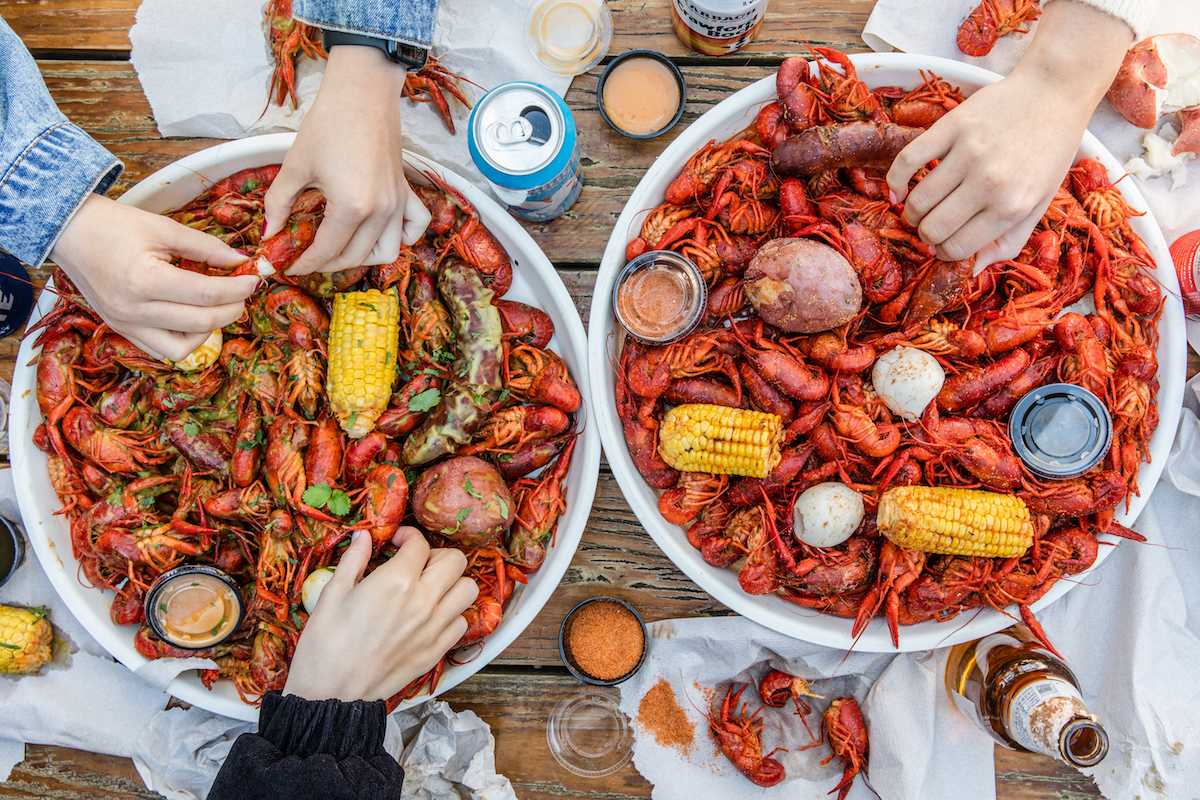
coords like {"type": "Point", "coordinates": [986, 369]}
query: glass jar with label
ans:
{"type": "Point", "coordinates": [717, 27]}
{"type": "Point", "coordinates": [1025, 697]}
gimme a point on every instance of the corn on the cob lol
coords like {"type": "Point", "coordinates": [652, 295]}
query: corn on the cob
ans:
{"type": "Point", "coordinates": [25, 636]}
{"type": "Point", "coordinates": [962, 522]}
{"type": "Point", "coordinates": [203, 356]}
{"type": "Point", "coordinates": [364, 335]}
{"type": "Point", "coordinates": [697, 437]}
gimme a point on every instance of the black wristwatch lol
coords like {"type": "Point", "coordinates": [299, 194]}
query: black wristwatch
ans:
{"type": "Point", "coordinates": [409, 55]}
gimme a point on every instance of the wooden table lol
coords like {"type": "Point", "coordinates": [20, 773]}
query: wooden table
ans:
{"type": "Point", "coordinates": [82, 47]}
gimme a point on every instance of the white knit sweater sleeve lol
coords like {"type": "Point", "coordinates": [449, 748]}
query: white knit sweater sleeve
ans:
{"type": "Point", "coordinates": [1136, 13]}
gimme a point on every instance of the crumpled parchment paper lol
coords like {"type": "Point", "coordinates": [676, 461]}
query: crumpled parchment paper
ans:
{"type": "Point", "coordinates": [206, 67]}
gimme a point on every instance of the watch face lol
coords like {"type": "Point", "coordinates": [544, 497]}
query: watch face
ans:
{"type": "Point", "coordinates": [410, 56]}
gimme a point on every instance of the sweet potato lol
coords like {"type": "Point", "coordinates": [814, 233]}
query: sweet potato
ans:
{"type": "Point", "coordinates": [802, 286]}
{"type": "Point", "coordinates": [464, 499]}
{"type": "Point", "coordinates": [850, 144]}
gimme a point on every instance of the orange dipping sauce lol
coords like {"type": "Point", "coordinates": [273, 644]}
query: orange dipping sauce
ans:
{"type": "Point", "coordinates": [661, 298]}
{"type": "Point", "coordinates": [196, 610]}
{"type": "Point", "coordinates": [641, 95]}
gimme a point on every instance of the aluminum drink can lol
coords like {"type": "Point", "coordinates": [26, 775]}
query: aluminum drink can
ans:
{"type": "Point", "coordinates": [522, 138]}
{"type": "Point", "coordinates": [1185, 252]}
{"type": "Point", "coordinates": [717, 27]}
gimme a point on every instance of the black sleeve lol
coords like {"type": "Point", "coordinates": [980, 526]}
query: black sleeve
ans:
{"type": "Point", "coordinates": [311, 749]}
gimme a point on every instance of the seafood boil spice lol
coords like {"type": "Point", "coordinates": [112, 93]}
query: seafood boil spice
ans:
{"type": "Point", "coordinates": [887, 376]}
{"type": "Point", "coordinates": [309, 418]}
{"type": "Point", "coordinates": [660, 713]}
{"type": "Point", "coordinates": [605, 640]}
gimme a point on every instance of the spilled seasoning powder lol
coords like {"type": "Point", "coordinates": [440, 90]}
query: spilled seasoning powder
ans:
{"type": "Point", "coordinates": [659, 712]}
{"type": "Point", "coordinates": [605, 640]}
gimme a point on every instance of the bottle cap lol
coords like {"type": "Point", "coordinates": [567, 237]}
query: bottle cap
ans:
{"type": "Point", "coordinates": [568, 37]}
{"type": "Point", "coordinates": [12, 550]}
{"type": "Point", "coordinates": [659, 296]}
{"type": "Point", "coordinates": [1060, 430]}
{"type": "Point", "coordinates": [194, 607]}
{"type": "Point", "coordinates": [16, 295]}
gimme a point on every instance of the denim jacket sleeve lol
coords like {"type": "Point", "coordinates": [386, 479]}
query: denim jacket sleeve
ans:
{"type": "Point", "coordinates": [48, 166]}
{"type": "Point", "coordinates": [409, 21]}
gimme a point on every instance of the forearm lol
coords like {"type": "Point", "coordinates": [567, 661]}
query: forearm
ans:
{"type": "Point", "coordinates": [1132, 12]}
{"type": "Point", "coordinates": [48, 166]}
{"type": "Point", "coordinates": [1076, 51]}
{"type": "Point", "coordinates": [311, 749]}
{"type": "Point", "coordinates": [409, 21]}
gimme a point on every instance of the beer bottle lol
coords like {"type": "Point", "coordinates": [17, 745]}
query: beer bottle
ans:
{"type": "Point", "coordinates": [1025, 697]}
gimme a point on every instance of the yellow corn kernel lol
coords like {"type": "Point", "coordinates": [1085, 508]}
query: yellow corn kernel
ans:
{"type": "Point", "coordinates": [698, 437]}
{"type": "Point", "coordinates": [25, 636]}
{"type": "Point", "coordinates": [961, 522]}
{"type": "Point", "coordinates": [364, 335]}
{"type": "Point", "coordinates": [203, 356]}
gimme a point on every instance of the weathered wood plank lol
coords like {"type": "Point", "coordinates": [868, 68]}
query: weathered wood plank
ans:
{"type": "Point", "coordinates": [516, 704]}
{"type": "Point", "coordinates": [103, 26]}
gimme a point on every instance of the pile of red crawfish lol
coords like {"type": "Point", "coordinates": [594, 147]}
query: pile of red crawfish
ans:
{"type": "Point", "coordinates": [243, 466]}
{"type": "Point", "coordinates": [739, 734]}
{"type": "Point", "coordinates": [998, 335]}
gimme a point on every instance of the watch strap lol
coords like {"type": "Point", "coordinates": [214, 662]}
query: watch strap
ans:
{"type": "Point", "coordinates": [409, 55]}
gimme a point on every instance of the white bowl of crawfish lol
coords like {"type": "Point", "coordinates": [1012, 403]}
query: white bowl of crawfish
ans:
{"type": "Point", "coordinates": [730, 119]}
{"type": "Point", "coordinates": [534, 281]}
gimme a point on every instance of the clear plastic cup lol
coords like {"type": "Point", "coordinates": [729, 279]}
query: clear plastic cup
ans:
{"type": "Point", "coordinates": [568, 37]}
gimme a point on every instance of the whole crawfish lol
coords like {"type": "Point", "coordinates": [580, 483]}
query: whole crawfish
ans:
{"type": "Point", "coordinates": [740, 739]}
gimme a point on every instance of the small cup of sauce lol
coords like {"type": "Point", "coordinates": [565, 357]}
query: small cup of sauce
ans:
{"type": "Point", "coordinates": [194, 607]}
{"type": "Point", "coordinates": [12, 550]}
{"type": "Point", "coordinates": [602, 641]}
{"type": "Point", "coordinates": [642, 94]}
{"type": "Point", "coordinates": [660, 296]}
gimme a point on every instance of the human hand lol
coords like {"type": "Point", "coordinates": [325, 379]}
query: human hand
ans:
{"type": "Point", "coordinates": [370, 637]}
{"type": "Point", "coordinates": [1006, 149]}
{"type": "Point", "coordinates": [350, 148]}
{"type": "Point", "coordinates": [119, 257]}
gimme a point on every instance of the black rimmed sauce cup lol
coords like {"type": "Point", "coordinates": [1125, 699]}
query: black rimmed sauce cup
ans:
{"type": "Point", "coordinates": [12, 550]}
{"type": "Point", "coordinates": [599, 635]}
{"type": "Point", "coordinates": [194, 607]}
{"type": "Point", "coordinates": [646, 73]}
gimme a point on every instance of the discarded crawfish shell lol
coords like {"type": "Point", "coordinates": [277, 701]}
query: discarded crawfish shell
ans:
{"type": "Point", "coordinates": [1060, 430]}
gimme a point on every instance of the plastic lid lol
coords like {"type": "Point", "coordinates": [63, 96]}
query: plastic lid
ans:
{"type": "Point", "coordinates": [588, 734]}
{"type": "Point", "coordinates": [1060, 430]}
{"type": "Point", "coordinates": [18, 293]}
{"type": "Point", "coordinates": [568, 37]}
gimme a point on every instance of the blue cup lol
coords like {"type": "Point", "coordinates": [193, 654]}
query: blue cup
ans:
{"type": "Point", "coordinates": [16, 295]}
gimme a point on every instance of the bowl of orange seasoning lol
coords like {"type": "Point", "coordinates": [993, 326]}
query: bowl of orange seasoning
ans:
{"type": "Point", "coordinates": [641, 94]}
{"type": "Point", "coordinates": [602, 641]}
{"type": "Point", "coordinates": [194, 607]}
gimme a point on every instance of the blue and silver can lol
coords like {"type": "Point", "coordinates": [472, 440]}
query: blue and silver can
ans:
{"type": "Point", "coordinates": [522, 138]}
{"type": "Point", "coordinates": [16, 294]}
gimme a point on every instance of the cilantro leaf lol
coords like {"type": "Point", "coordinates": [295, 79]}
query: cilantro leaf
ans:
{"type": "Point", "coordinates": [503, 506]}
{"type": "Point", "coordinates": [425, 401]}
{"type": "Point", "coordinates": [317, 495]}
{"type": "Point", "coordinates": [191, 429]}
{"type": "Point", "coordinates": [469, 488]}
{"type": "Point", "coordinates": [466, 512]}
{"type": "Point", "coordinates": [339, 503]}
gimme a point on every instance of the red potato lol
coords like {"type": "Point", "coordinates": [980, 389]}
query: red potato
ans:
{"type": "Point", "coordinates": [1159, 74]}
{"type": "Point", "coordinates": [802, 286]}
{"type": "Point", "coordinates": [465, 499]}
